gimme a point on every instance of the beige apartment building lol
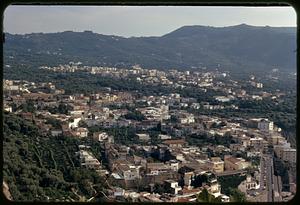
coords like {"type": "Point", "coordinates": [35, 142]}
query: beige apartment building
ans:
{"type": "Point", "coordinates": [217, 165]}
{"type": "Point", "coordinates": [233, 163]}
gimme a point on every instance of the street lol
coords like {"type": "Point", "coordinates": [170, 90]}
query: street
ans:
{"type": "Point", "coordinates": [268, 180]}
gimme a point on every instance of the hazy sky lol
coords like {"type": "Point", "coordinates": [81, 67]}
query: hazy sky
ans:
{"type": "Point", "coordinates": [138, 21]}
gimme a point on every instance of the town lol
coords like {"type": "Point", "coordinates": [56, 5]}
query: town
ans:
{"type": "Point", "coordinates": [166, 147]}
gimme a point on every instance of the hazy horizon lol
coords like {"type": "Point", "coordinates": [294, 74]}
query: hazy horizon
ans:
{"type": "Point", "coordinates": [146, 36]}
{"type": "Point", "coordinates": [138, 21]}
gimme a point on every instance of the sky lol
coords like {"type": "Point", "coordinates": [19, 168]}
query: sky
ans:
{"type": "Point", "coordinates": [138, 21]}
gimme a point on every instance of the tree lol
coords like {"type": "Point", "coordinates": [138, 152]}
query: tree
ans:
{"type": "Point", "coordinates": [28, 106]}
{"type": "Point", "coordinates": [63, 108]}
{"type": "Point", "coordinates": [205, 196]}
{"type": "Point", "coordinates": [159, 188]}
{"type": "Point", "coordinates": [173, 119]}
{"type": "Point", "coordinates": [135, 115]}
{"type": "Point", "coordinates": [214, 125]}
{"type": "Point", "coordinates": [54, 122]}
{"type": "Point", "coordinates": [236, 195]}
{"type": "Point", "coordinates": [199, 179]}
{"type": "Point", "coordinates": [82, 124]}
{"type": "Point", "coordinates": [229, 182]}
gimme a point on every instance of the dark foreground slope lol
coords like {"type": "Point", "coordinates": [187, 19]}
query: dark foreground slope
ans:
{"type": "Point", "coordinates": [38, 168]}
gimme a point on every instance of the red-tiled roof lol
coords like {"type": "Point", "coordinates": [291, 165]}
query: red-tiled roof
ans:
{"type": "Point", "coordinates": [233, 160]}
{"type": "Point", "coordinates": [189, 191]}
{"type": "Point", "coordinates": [184, 199]}
{"type": "Point", "coordinates": [180, 141]}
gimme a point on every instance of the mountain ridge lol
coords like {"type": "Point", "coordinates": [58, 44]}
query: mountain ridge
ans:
{"type": "Point", "coordinates": [193, 46]}
{"type": "Point", "coordinates": [186, 26]}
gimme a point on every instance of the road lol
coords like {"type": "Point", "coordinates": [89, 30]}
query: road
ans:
{"type": "Point", "coordinates": [270, 182]}
{"type": "Point", "coordinates": [266, 176]}
{"type": "Point", "coordinates": [277, 195]}
{"type": "Point", "coordinates": [262, 173]}
{"type": "Point", "coordinates": [269, 179]}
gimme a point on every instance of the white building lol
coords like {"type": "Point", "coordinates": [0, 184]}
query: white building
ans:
{"type": "Point", "coordinates": [164, 137]}
{"type": "Point", "coordinates": [87, 160]}
{"type": "Point", "coordinates": [100, 136]}
{"type": "Point", "coordinates": [81, 132]}
{"type": "Point", "coordinates": [249, 184]}
{"type": "Point", "coordinates": [289, 155]}
{"type": "Point", "coordinates": [285, 152]}
{"type": "Point", "coordinates": [7, 108]}
{"type": "Point", "coordinates": [173, 186]}
{"type": "Point", "coordinates": [265, 125]}
{"type": "Point", "coordinates": [259, 85]}
{"type": "Point", "coordinates": [74, 122]}
{"type": "Point", "coordinates": [195, 106]}
{"type": "Point", "coordinates": [128, 172]}
{"type": "Point", "coordinates": [222, 99]}
{"type": "Point", "coordinates": [143, 137]}
{"type": "Point", "coordinates": [56, 132]}
{"type": "Point", "coordinates": [186, 118]}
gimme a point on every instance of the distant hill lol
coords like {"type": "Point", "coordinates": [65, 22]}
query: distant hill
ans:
{"type": "Point", "coordinates": [234, 48]}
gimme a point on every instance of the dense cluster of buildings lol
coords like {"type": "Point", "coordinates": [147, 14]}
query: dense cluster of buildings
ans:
{"type": "Point", "coordinates": [172, 163]}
